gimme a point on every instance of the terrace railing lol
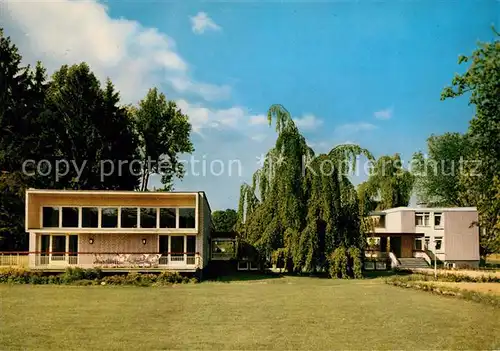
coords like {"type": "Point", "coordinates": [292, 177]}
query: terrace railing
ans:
{"type": "Point", "coordinates": [101, 259]}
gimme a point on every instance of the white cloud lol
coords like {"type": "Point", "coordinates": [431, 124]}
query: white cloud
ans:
{"type": "Point", "coordinates": [202, 117]}
{"type": "Point", "coordinates": [258, 120]}
{"type": "Point", "coordinates": [136, 58]}
{"type": "Point", "coordinates": [133, 56]}
{"type": "Point", "coordinates": [384, 114]}
{"type": "Point", "coordinates": [308, 122]}
{"type": "Point", "coordinates": [209, 92]}
{"type": "Point", "coordinates": [201, 23]}
{"type": "Point", "coordinates": [350, 128]}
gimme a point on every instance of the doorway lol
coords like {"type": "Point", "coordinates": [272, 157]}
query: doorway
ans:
{"type": "Point", "coordinates": [395, 243]}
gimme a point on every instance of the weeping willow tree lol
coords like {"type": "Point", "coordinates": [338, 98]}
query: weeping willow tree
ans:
{"type": "Point", "coordinates": [301, 206]}
{"type": "Point", "coordinates": [389, 185]}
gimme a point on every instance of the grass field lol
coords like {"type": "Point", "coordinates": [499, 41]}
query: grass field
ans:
{"type": "Point", "coordinates": [272, 313]}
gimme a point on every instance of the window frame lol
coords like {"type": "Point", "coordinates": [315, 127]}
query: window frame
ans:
{"type": "Point", "coordinates": [441, 225]}
{"type": "Point", "coordinates": [120, 211]}
{"type": "Point", "coordinates": [139, 214]}
{"type": "Point", "coordinates": [424, 215]}
{"type": "Point", "coordinates": [118, 217]}
{"type": "Point", "coordinates": [78, 216]}
{"type": "Point", "coordinates": [441, 240]}
{"type": "Point", "coordinates": [81, 217]}
{"type": "Point", "coordinates": [421, 240]}
{"type": "Point", "coordinates": [178, 220]}
{"type": "Point", "coordinates": [59, 218]}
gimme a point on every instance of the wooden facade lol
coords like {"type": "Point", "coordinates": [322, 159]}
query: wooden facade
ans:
{"type": "Point", "coordinates": [177, 248]}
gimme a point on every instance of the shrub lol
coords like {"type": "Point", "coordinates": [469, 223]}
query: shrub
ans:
{"type": "Point", "coordinates": [78, 276]}
{"type": "Point", "coordinates": [357, 263]}
{"type": "Point", "coordinates": [84, 282]}
{"type": "Point", "coordinates": [93, 273]}
{"type": "Point", "coordinates": [114, 280]}
{"type": "Point", "coordinates": [415, 282]}
{"type": "Point", "coordinates": [170, 277]}
{"type": "Point", "coordinates": [338, 263]}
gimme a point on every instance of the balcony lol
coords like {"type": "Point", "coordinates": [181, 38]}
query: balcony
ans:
{"type": "Point", "coordinates": [117, 261]}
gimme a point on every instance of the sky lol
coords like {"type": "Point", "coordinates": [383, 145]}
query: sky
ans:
{"type": "Point", "coordinates": [360, 72]}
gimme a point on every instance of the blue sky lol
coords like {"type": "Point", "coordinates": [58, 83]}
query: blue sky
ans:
{"type": "Point", "coordinates": [364, 72]}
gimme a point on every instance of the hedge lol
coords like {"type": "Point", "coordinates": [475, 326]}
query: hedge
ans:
{"type": "Point", "coordinates": [78, 276]}
{"type": "Point", "coordinates": [451, 276]}
{"type": "Point", "coordinates": [416, 282]}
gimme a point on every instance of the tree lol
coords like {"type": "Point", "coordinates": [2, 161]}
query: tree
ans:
{"type": "Point", "coordinates": [224, 221]}
{"type": "Point", "coordinates": [300, 206]}
{"type": "Point", "coordinates": [481, 82]}
{"type": "Point", "coordinates": [93, 132]}
{"type": "Point", "coordinates": [437, 175]}
{"type": "Point", "coordinates": [163, 132]}
{"type": "Point", "coordinates": [24, 135]}
{"type": "Point", "coordinates": [388, 185]}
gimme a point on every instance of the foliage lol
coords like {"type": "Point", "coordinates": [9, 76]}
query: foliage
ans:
{"type": "Point", "coordinates": [388, 185]}
{"type": "Point", "coordinates": [300, 206]}
{"type": "Point", "coordinates": [164, 134]}
{"type": "Point", "coordinates": [338, 263]}
{"type": "Point", "coordinates": [346, 263]}
{"type": "Point", "coordinates": [459, 276]}
{"type": "Point", "coordinates": [437, 174]}
{"type": "Point", "coordinates": [224, 221]}
{"type": "Point", "coordinates": [356, 262]}
{"type": "Point", "coordinates": [481, 82]}
{"type": "Point", "coordinates": [24, 134]}
{"type": "Point", "coordinates": [414, 282]}
{"type": "Point", "coordinates": [93, 276]}
{"type": "Point", "coordinates": [72, 119]}
{"type": "Point", "coordinates": [90, 130]}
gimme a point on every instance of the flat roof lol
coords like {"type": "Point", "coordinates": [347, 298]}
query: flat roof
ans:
{"type": "Point", "coordinates": [111, 192]}
{"type": "Point", "coordinates": [424, 209]}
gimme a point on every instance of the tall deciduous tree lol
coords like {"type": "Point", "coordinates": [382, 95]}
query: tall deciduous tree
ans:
{"type": "Point", "coordinates": [481, 82]}
{"type": "Point", "coordinates": [300, 207]}
{"type": "Point", "coordinates": [164, 134]}
{"type": "Point", "coordinates": [437, 174]}
{"type": "Point", "coordinates": [388, 185]}
{"type": "Point", "coordinates": [224, 221]}
{"type": "Point", "coordinates": [93, 131]}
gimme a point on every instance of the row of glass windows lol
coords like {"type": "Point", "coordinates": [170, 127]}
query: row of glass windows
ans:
{"type": "Point", "coordinates": [130, 217]}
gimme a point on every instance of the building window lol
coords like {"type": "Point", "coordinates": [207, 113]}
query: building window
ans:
{"type": "Point", "coordinates": [70, 217]}
{"type": "Point", "coordinates": [129, 217]}
{"type": "Point", "coordinates": [438, 220]}
{"type": "Point", "coordinates": [148, 217]}
{"type": "Point", "coordinates": [191, 244]}
{"type": "Point", "coordinates": [73, 245]}
{"type": "Point", "coordinates": [50, 217]}
{"type": "Point", "coordinates": [58, 245]}
{"type": "Point", "coordinates": [109, 217]}
{"type": "Point", "coordinates": [427, 239]}
{"type": "Point", "coordinates": [45, 244]}
{"type": "Point", "coordinates": [438, 242]}
{"type": "Point", "coordinates": [422, 219]}
{"type": "Point", "coordinates": [186, 218]}
{"type": "Point", "coordinates": [167, 218]}
{"type": "Point", "coordinates": [417, 245]}
{"type": "Point", "coordinates": [90, 217]}
{"type": "Point", "coordinates": [380, 221]}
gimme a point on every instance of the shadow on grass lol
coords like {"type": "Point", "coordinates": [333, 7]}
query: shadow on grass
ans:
{"type": "Point", "coordinates": [384, 274]}
{"type": "Point", "coordinates": [251, 276]}
{"type": "Point", "coordinates": [244, 276]}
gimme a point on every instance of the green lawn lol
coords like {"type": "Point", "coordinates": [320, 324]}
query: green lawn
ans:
{"type": "Point", "coordinates": [273, 313]}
